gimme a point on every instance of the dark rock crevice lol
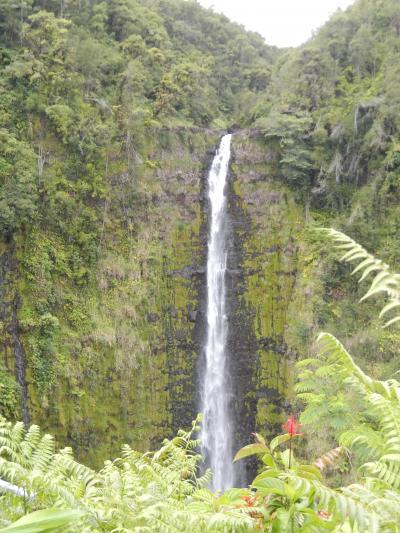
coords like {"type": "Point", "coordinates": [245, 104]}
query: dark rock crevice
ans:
{"type": "Point", "coordinates": [242, 344]}
{"type": "Point", "coordinates": [10, 303]}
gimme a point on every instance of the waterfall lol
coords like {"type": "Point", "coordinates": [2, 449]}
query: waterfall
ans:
{"type": "Point", "coordinates": [217, 428]}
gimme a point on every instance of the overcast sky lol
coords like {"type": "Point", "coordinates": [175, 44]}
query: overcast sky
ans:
{"type": "Point", "coordinates": [281, 22]}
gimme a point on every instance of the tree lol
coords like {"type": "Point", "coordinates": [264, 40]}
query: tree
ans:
{"type": "Point", "coordinates": [13, 14]}
{"type": "Point", "coordinates": [18, 182]}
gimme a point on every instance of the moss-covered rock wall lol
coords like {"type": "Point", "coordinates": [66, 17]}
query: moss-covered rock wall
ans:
{"type": "Point", "coordinates": [119, 345]}
{"type": "Point", "coordinates": [120, 338]}
{"type": "Point", "coordinates": [268, 234]}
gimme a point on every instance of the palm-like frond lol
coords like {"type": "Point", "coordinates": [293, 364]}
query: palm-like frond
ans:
{"type": "Point", "coordinates": [333, 381]}
{"type": "Point", "coordinates": [383, 401]}
{"type": "Point", "coordinates": [333, 351]}
{"type": "Point", "coordinates": [384, 281]}
{"type": "Point", "coordinates": [340, 502]}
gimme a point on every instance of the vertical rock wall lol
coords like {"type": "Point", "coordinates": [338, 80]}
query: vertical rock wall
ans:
{"type": "Point", "coordinates": [125, 343]}
{"type": "Point", "coordinates": [128, 344]}
{"type": "Point", "coordinates": [266, 235]}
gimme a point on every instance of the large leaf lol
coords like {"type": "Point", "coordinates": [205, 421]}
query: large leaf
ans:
{"type": "Point", "coordinates": [280, 439]}
{"type": "Point", "coordinates": [268, 460]}
{"type": "Point", "coordinates": [43, 521]}
{"type": "Point", "coordinates": [272, 473]}
{"type": "Point", "coordinates": [250, 449]}
{"type": "Point", "coordinates": [385, 281]}
{"type": "Point", "coordinates": [270, 485]}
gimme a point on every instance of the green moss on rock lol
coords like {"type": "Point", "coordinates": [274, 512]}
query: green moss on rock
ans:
{"type": "Point", "coordinates": [270, 270]}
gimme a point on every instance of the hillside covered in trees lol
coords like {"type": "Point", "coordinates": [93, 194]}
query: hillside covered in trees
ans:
{"type": "Point", "coordinates": [110, 113]}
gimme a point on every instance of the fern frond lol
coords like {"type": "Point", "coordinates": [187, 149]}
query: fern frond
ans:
{"type": "Point", "coordinates": [385, 281]}
{"type": "Point", "coordinates": [340, 502]}
{"type": "Point", "coordinates": [367, 441]}
{"type": "Point", "coordinates": [330, 458]}
{"type": "Point", "coordinates": [334, 352]}
{"type": "Point", "coordinates": [389, 472]}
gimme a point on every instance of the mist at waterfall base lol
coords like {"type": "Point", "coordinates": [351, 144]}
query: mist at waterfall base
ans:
{"type": "Point", "coordinates": [216, 388]}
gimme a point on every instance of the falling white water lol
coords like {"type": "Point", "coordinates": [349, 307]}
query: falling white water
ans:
{"type": "Point", "coordinates": [217, 427]}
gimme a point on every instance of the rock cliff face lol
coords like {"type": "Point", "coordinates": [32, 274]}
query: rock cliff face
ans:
{"type": "Point", "coordinates": [138, 385]}
{"type": "Point", "coordinates": [10, 302]}
{"type": "Point", "coordinates": [129, 348]}
{"type": "Point", "coordinates": [132, 363]}
{"type": "Point", "coordinates": [264, 267]}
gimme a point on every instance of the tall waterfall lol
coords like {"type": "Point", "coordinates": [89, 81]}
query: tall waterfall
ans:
{"type": "Point", "coordinates": [217, 428]}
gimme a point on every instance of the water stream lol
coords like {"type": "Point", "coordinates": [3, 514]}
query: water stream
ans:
{"type": "Point", "coordinates": [217, 427]}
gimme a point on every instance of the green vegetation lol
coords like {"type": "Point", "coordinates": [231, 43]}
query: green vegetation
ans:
{"type": "Point", "coordinates": [109, 113]}
{"type": "Point", "coordinates": [329, 121]}
{"type": "Point", "coordinates": [332, 111]}
{"type": "Point", "coordinates": [108, 110]}
{"type": "Point", "coordinates": [138, 492]}
{"type": "Point", "coordinates": [162, 491]}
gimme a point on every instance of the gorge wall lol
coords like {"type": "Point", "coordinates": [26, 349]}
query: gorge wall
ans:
{"type": "Point", "coordinates": [133, 377]}
{"type": "Point", "coordinates": [126, 345]}
{"type": "Point", "coordinates": [265, 268]}
{"type": "Point", "coordinates": [109, 118]}
{"type": "Point", "coordinates": [130, 370]}
{"type": "Point", "coordinates": [130, 341]}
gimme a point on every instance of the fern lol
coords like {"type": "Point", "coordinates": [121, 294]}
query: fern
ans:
{"type": "Point", "coordinates": [329, 459]}
{"type": "Point", "coordinates": [367, 441]}
{"type": "Point", "coordinates": [149, 492]}
{"type": "Point", "coordinates": [384, 281]}
{"type": "Point", "coordinates": [342, 502]}
{"type": "Point", "coordinates": [330, 381]}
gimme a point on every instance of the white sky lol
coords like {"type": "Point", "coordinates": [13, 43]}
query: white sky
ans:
{"type": "Point", "coordinates": [281, 22]}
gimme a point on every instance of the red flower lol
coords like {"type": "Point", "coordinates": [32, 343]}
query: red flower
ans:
{"type": "Point", "coordinates": [292, 426]}
{"type": "Point", "coordinates": [249, 500]}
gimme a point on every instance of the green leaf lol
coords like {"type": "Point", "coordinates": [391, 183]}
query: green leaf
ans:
{"type": "Point", "coordinates": [43, 520]}
{"type": "Point", "coordinates": [250, 449]}
{"type": "Point", "coordinates": [309, 471]}
{"type": "Point", "coordinates": [287, 457]}
{"type": "Point", "coordinates": [270, 485]}
{"type": "Point", "coordinates": [368, 270]}
{"type": "Point", "coordinates": [259, 439]}
{"type": "Point", "coordinates": [268, 460]}
{"type": "Point", "coordinates": [355, 253]}
{"type": "Point", "coordinates": [280, 439]}
{"type": "Point", "coordinates": [389, 307]}
{"type": "Point", "coordinates": [267, 474]}
{"type": "Point", "coordinates": [369, 261]}
{"type": "Point", "coordinates": [395, 319]}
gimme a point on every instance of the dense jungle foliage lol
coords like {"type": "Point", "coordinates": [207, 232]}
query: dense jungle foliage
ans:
{"type": "Point", "coordinates": [97, 100]}
{"type": "Point", "coordinates": [109, 111]}
{"type": "Point", "coordinates": [162, 491]}
{"type": "Point", "coordinates": [81, 82]}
